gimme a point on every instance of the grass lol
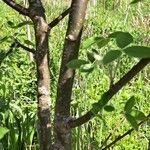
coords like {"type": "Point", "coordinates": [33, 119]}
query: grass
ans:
{"type": "Point", "coordinates": [17, 80]}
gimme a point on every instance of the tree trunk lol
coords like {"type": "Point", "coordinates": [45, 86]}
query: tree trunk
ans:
{"type": "Point", "coordinates": [43, 78]}
{"type": "Point", "coordinates": [66, 76]}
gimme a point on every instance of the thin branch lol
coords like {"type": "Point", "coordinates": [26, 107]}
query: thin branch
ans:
{"type": "Point", "coordinates": [22, 10]}
{"type": "Point", "coordinates": [17, 44]}
{"type": "Point", "coordinates": [13, 45]}
{"type": "Point", "coordinates": [125, 134]}
{"type": "Point", "coordinates": [112, 91]}
{"type": "Point", "coordinates": [25, 47]}
{"type": "Point", "coordinates": [111, 133]}
{"type": "Point", "coordinates": [59, 18]}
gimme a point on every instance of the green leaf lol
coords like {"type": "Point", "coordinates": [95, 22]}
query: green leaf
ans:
{"type": "Point", "coordinates": [10, 23]}
{"type": "Point", "coordinates": [3, 131]}
{"type": "Point", "coordinates": [90, 56]}
{"type": "Point", "coordinates": [138, 51]}
{"type": "Point", "coordinates": [129, 104]}
{"type": "Point", "coordinates": [123, 39]}
{"type": "Point", "coordinates": [102, 42]}
{"type": "Point", "coordinates": [138, 115]}
{"type": "Point", "coordinates": [114, 34]}
{"type": "Point", "coordinates": [90, 41]}
{"type": "Point", "coordinates": [93, 55]}
{"type": "Point", "coordinates": [132, 121]}
{"type": "Point", "coordinates": [87, 68]}
{"type": "Point", "coordinates": [111, 56]}
{"type": "Point", "coordinates": [109, 108]}
{"type": "Point", "coordinates": [28, 42]}
{"type": "Point", "coordinates": [135, 1]}
{"type": "Point", "coordinates": [76, 63]}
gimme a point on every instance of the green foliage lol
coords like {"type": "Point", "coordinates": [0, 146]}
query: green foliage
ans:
{"type": "Point", "coordinates": [133, 115]}
{"type": "Point", "coordinates": [3, 131]}
{"type": "Point", "coordinates": [137, 114]}
{"type": "Point", "coordinates": [24, 23]}
{"type": "Point", "coordinates": [129, 104]}
{"type": "Point", "coordinates": [109, 108]}
{"type": "Point", "coordinates": [123, 39]}
{"type": "Point", "coordinates": [28, 42]}
{"type": "Point", "coordinates": [87, 68]}
{"type": "Point", "coordinates": [138, 51]}
{"type": "Point", "coordinates": [135, 1]}
{"type": "Point", "coordinates": [18, 84]}
{"type": "Point", "coordinates": [93, 55]}
{"type": "Point", "coordinates": [76, 63]}
{"type": "Point", "coordinates": [132, 121]}
{"type": "Point", "coordinates": [90, 41]}
{"type": "Point", "coordinates": [111, 56]}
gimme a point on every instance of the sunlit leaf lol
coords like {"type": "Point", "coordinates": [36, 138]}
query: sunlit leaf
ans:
{"type": "Point", "coordinates": [76, 63]}
{"type": "Point", "coordinates": [93, 55]}
{"type": "Point", "coordinates": [3, 131]}
{"type": "Point", "coordinates": [111, 56]}
{"type": "Point", "coordinates": [129, 104]}
{"type": "Point", "coordinates": [132, 121]}
{"type": "Point", "coordinates": [87, 68]}
{"type": "Point", "coordinates": [138, 51]}
{"type": "Point", "coordinates": [92, 40]}
{"type": "Point", "coordinates": [138, 115]}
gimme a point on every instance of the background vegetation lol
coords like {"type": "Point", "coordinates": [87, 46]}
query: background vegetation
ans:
{"type": "Point", "coordinates": [17, 78]}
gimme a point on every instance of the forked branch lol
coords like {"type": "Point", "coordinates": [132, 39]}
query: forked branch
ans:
{"type": "Point", "coordinates": [31, 50]}
{"type": "Point", "coordinates": [59, 18]}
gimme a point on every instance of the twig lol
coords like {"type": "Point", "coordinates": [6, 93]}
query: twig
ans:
{"type": "Point", "coordinates": [111, 133]}
{"type": "Point", "coordinates": [112, 91]}
{"type": "Point", "coordinates": [59, 18]}
{"type": "Point", "coordinates": [17, 44]}
{"type": "Point", "coordinates": [22, 10]}
{"type": "Point", "coordinates": [25, 47]}
{"type": "Point", "coordinates": [13, 45]}
{"type": "Point", "coordinates": [125, 134]}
